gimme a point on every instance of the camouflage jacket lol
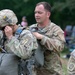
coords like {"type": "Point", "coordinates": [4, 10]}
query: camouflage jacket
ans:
{"type": "Point", "coordinates": [53, 42]}
{"type": "Point", "coordinates": [21, 44]}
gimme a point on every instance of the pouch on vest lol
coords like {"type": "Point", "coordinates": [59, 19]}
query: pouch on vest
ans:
{"type": "Point", "coordinates": [39, 55]}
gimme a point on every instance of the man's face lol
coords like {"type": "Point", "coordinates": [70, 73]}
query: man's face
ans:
{"type": "Point", "coordinates": [41, 15]}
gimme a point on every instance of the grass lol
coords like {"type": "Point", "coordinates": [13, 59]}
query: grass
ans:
{"type": "Point", "coordinates": [64, 65]}
{"type": "Point", "coordinates": [64, 60]}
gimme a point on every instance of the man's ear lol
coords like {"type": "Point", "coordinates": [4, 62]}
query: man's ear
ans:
{"type": "Point", "coordinates": [48, 14]}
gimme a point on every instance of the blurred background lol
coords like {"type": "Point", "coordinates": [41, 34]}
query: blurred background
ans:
{"type": "Point", "coordinates": [63, 11]}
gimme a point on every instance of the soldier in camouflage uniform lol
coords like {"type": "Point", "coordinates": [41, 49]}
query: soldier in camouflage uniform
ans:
{"type": "Point", "coordinates": [71, 64]}
{"type": "Point", "coordinates": [16, 42]}
{"type": "Point", "coordinates": [51, 37]}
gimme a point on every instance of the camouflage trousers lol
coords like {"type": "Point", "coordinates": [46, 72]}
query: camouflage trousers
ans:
{"type": "Point", "coordinates": [42, 71]}
{"type": "Point", "coordinates": [52, 66]}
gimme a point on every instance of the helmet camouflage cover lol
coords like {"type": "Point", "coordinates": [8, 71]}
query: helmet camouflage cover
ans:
{"type": "Point", "coordinates": [7, 17]}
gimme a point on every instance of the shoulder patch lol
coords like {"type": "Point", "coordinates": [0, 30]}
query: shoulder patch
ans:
{"type": "Point", "coordinates": [71, 67]}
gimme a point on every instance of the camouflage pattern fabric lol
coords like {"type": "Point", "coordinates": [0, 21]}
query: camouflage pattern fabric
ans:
{"type": "Point", "coordinates": [71, 64]}
{"type": "Point", "coordinates": [7, 17]}
{"type": "Point", "coordinates": [22, 46]}
{"type": "Point", "coordinates": [53, 42]}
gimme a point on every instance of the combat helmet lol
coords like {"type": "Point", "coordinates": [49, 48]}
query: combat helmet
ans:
{"type": "Point", "coordinates": [7, 17]}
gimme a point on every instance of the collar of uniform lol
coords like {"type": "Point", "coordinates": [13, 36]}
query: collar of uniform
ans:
{"type": "Point", "coordinates": [19, 30]}
{"type": "Point", "coordinates": [46, 28]}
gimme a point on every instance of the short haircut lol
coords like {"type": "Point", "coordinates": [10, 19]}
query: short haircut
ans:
{"type": "Point", "coordinates": [46, 5]}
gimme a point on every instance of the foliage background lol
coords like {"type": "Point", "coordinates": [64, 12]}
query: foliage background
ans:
{"type": "Point", "coordinates": [62, 10]}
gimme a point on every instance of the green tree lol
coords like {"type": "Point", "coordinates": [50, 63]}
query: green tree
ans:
{"type": "Point", "coordinates": [63, 12]}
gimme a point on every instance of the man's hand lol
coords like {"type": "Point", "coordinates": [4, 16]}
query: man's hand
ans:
{"type": "Point", "coordinates": [37, 35]}
{"type": "Point", "coordinates": [8, 32]}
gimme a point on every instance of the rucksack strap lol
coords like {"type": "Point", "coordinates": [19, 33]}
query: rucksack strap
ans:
{"type": "Point", "coordinates": [26, 66]}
